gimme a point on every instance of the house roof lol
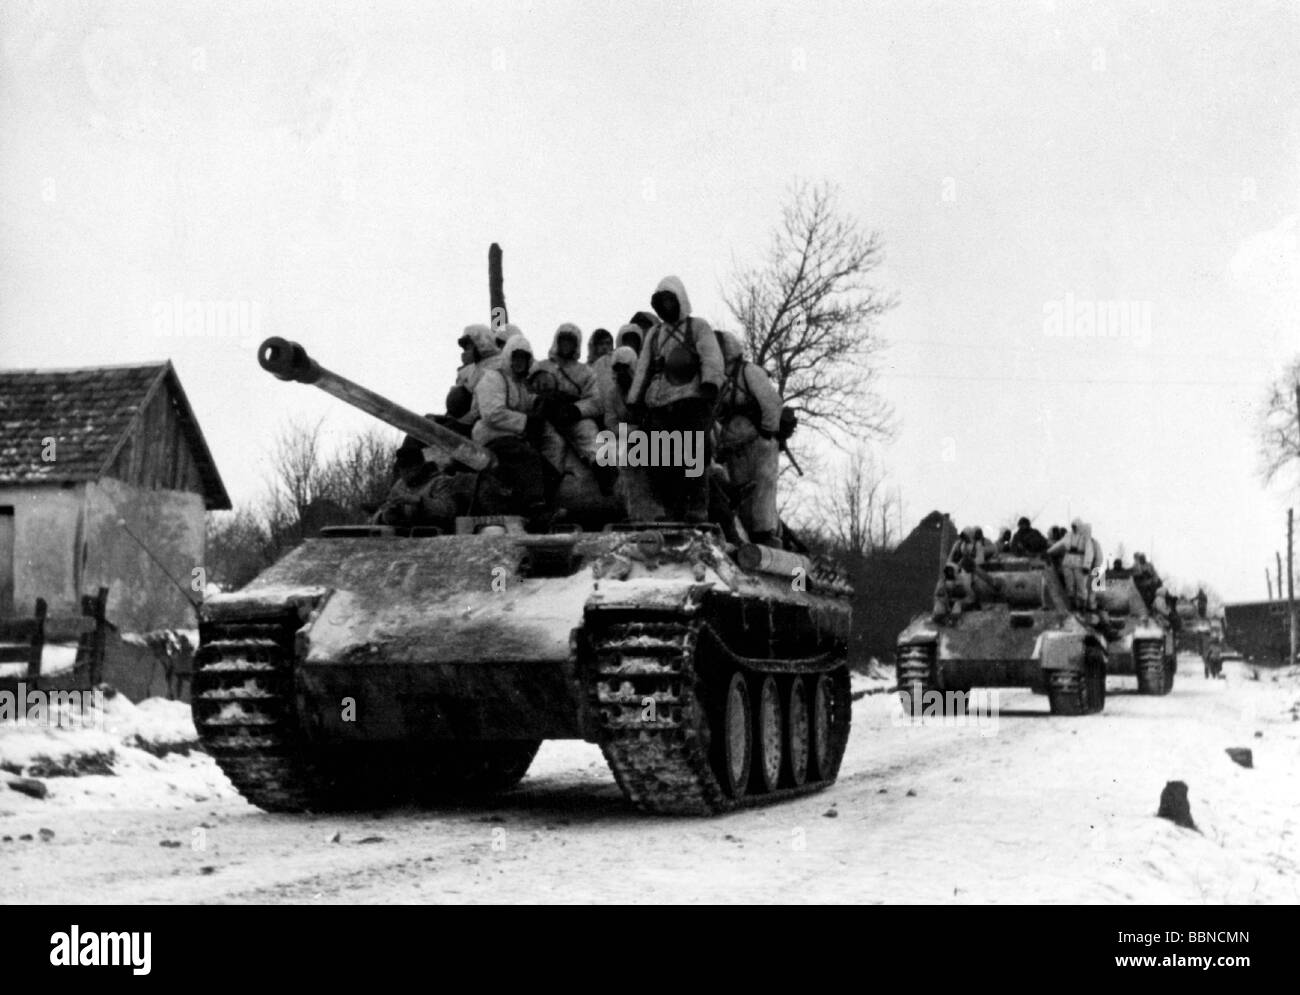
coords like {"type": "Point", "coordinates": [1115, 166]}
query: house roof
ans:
{"type": "Point", "coordinates": [91, 412]}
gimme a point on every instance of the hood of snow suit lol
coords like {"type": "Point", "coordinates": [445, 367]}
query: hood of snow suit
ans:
{"type": "Point", "coordinates": [732, 349]}
{"type": "Point", "coordinates": [506, 334]}
{"type": "Point", "coordinates": [573, 331]}
{"type": "Point", "coordinates": [482, 339]}
{"type": "Point", "coordinates": [624, 332]}
{"type": "Point", "coordinates": [516, 343]}
{"type": "Point", "coordinates": [678, 289]}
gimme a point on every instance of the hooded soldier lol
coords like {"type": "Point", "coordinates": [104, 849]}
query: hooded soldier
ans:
{"type": "Point", "coordinates": [1081, 554]}
{"type": "Point", "coordinates": [970, 548]}
{"type": "Point", "coordinates": [633, 480]}
{"type": "Point", "coordinates": [614, 389]}
{"type": "Point", "coordinates": [478, 352]}
{"type": "Point", "coordinates": [1028, 541]}
{"type": "Point", "coordinates": [574, 406]}
{"type": "Point", "coordinates": [749, 415]}
{"type": "Point", "coordinates": [678, 375]}
{"type": "Point", "coordinates": [504, 333]}
{"type": "Point", "coordinates": [629, 337]}
{"type": "Point", "coordinates": [1145, 578]}
{"type": "Point", "coordinates": [599, 345]}
{"type": "Point", "coordinates": [509, 423]}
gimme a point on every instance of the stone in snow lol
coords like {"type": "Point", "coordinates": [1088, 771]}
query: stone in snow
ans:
{"type": "Point", "coordinates": [29, 786]}
{"type": "Point", "coordinates": [1174, 805]}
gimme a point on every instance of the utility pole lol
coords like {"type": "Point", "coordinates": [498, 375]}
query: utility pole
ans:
{"type": "Point", "coordinates": [496, 289]}
{"type": "Point", "coordinates": [1290, 583]}
{"type": "Point", "coordinates": [1279, 575]}
{"type": "Point", "coordinates": [1268, 579]}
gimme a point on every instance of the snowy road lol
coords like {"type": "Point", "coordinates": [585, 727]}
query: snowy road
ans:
{"type": "Point", "coordinates": [1041, 810]}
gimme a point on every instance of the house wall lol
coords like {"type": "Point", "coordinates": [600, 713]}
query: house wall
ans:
{"type": "Point", "coordinates": [46, 537]}
{"type": "Point", "coordinates": [171, 525]}
{"type": "Point", "coordinates": [69, 541]}
{"type": "Point", "coordinates": [155, 454]}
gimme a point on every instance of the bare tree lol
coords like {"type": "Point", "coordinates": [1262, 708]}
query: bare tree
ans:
{"type": "Point", "coordinates": [809, 316]}
{"type": "Point", "coordinates": [308, 490]}
{"type": "Point", "coordinates": [1279, 445]}
{"type": "Point", "coordinates": [858, 509]}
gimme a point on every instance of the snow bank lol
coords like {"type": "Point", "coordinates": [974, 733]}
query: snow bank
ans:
{"type": "Point", "coordinates": [878, 679]}
{"type": "Point", "coordinates": [69, 743]}
{"type": "Point", "coordinates": [139, 756]}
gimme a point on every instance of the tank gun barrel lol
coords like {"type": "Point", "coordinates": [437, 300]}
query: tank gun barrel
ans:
{"type": "Point", "coordinates": [287, 360]}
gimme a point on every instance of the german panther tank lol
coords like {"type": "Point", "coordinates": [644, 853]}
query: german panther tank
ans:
{"type": "Point", "coordinates": [1140, 644]}
{"type": "Point", "coordinates": [1015, 629]}
{"type": "Point", "coordinates": [377, 664]}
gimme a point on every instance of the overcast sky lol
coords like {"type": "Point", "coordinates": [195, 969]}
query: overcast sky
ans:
{"type": "Point", "coordinates": [338, 171]}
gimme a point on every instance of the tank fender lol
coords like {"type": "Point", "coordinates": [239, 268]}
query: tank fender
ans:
{"type": "Point", "coordinates": [1061, 650]}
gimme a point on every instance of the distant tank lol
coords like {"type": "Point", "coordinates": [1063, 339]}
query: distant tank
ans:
{"type": "Point", "coordinates": [1022, 633]}
{"type": "Point", "coordinates": [378, 664]}
{"type": "Point", "coordinates": [1141, 644]}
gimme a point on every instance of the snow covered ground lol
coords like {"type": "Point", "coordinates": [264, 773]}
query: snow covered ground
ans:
{"type": "Point", "coordinates": [55, 659]}
{"type": "Point", "coordinates": [1027, 808]}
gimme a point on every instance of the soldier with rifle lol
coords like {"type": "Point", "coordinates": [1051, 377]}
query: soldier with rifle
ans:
{"type": "Point", "coordinates": [748, 414]}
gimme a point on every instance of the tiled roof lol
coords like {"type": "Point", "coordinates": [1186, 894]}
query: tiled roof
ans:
{"type": "Point", "coordinates": [89, 412]}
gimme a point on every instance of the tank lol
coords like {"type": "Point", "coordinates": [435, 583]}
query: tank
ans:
{"type": "Point", "coordinates": [375, 665]}
{"type": "Point", "coordinates": [1022, 634]}
{"type": "Point", "coordinates": [1140, 643]}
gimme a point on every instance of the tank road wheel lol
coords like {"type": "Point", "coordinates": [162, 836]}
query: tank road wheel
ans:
{"type": "Point", "coordinates": [831, 715]}
{"type": "Point", "coordinates": [1153, 673]}
{"type": "Point", "coordinates": [735, 744]}
{"type": "Point", "coordinates": [798, 733]}
{"type": "Point", "coordinates": [768, 736]}
{"type": "Point", "coordinates": [740, 731]}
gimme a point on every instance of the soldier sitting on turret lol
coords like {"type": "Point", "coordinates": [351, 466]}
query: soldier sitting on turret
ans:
{"type": "Point", "coordinates": [573, 406]}
{"type": "Point", "coordinates": [510, 425]}
{"type": "Point", "coordinates": [629, 338]}
{"type": "Point", "coordinates": [1027, 540]}
{"type": "Point", "coordinates": [1145, 578]}
{"type": "Point", "coordinates": [599, 345]}
{"type": "Point", "coordinates": [953, 593]}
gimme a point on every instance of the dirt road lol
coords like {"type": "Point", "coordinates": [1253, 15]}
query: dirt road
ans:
{"type": "Point", "coordinates": [1026, 809]}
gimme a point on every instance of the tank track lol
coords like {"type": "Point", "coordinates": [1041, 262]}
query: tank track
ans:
{"type": "Point", "coordinates": [243, 709]}
{"type": "Point", "coordinates": [653, 699]}
{"type": "Point", "coordinates": [1072, 692]}
{"type": "Point", "coordinates": [1153, 675]}
{"type": "Point", "coordinates": [915, 675]}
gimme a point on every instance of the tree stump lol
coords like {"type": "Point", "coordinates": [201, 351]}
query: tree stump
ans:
{"type": "Point", "coordinates": [1174, 805]}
